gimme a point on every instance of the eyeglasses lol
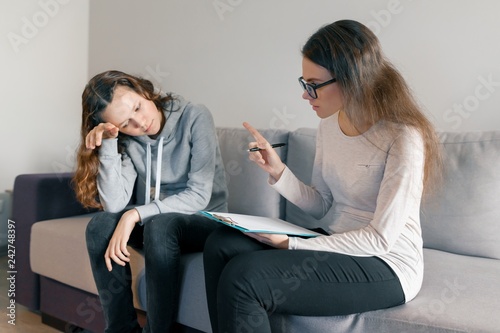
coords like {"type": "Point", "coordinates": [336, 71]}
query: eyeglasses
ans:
{"type": "Point", "coordinates": [311, 87]}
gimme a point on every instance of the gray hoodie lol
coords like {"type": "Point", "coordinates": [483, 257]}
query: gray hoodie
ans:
{"type": "Point", "coordinates": [179, 171]}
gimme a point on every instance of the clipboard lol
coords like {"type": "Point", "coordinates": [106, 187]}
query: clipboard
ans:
{"type": "Point", "coordinates": [259, 224]}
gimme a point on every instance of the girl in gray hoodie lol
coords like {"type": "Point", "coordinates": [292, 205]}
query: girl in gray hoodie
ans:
{"type": "Point", "coordinates": [150, 161]}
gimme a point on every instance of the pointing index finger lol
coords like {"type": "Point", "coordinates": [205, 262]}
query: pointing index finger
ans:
{"type": "Point", "coordinates": [257, 136]}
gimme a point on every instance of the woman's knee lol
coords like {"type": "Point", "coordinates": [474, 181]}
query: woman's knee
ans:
{"type": "Point", "coordinates": [238, 279]}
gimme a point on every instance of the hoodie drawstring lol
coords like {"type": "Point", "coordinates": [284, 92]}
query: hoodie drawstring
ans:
{"type": "Point", "coordinates": [159, 154]}
{"type": "Point", "coordinates": [158, 168]}
{"type": "Point", "coordinates": [147, 193]}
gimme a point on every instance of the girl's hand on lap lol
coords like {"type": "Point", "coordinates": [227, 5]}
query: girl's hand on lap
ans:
{"type": "Point", "coordinates": [117, 248]}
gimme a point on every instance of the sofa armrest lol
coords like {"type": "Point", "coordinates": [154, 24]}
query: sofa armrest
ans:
{"type": "Point", "coordinates": [38, 197]}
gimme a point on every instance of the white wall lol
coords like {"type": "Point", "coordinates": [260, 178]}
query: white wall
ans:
{"type": "Point", "coordinates": [241, 58]}
{"type": "Point", "coordinates": [44, 67]}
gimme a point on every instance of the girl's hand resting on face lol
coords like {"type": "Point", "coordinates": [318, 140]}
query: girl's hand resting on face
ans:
{"type": "Point", "coordinates": [267, 158]}
{"type": "Point", "coordinates": [275, 240]}
{"type": "Point", "coordinates": [117, 247]}
{"type": "Point", "coordinates": [100, 132]}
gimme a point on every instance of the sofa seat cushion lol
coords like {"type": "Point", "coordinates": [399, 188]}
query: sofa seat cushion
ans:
{"type": "Point", "coordinates": [448, 302]}
{"type": "Point", "coordinates": [58, 251]}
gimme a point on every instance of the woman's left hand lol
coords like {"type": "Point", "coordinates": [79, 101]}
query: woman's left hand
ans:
{"type": "Point", "coordinates": [278, 241]}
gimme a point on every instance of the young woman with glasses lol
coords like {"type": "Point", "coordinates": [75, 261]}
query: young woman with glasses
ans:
{"type": "Point", "coordinates": [131, 134]}
{"type": "Point", "coordinates": [375, 154]}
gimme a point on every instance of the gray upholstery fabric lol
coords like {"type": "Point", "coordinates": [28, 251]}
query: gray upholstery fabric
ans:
{"type": "Point", "coordinates": [464, 217]}
{"type": "Point", "coordinates": [58, 251]}
{"type": "Point", "coordinates": [247, 183]}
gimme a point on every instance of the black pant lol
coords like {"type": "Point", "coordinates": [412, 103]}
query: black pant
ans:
{"type": "Point", "coordinates": [247, 281]}
{"type": "Point", "coordinates": [166, 237]}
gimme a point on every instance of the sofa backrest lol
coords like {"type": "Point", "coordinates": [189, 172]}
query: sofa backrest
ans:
{"type": "Point", "coordinates": [464, 216]}
{"type": "Point", "coordinates": [300, 158]}
{"type": "Point", "coordinates": [247, 183]}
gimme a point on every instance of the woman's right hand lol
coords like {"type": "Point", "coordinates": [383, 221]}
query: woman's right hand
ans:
{"type": "Point", "coordinates": [97, 134]}
{"type": "Point", "coordinates": [267, 158]}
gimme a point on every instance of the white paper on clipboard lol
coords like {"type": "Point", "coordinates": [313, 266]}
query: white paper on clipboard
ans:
{"type": "Point", "coordinates": [259, 224]}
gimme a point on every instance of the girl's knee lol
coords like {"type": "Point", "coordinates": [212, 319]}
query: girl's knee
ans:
{"type": "Point", "coordinates": [162, 225]}
{"type": "Point", "coordinates": [101, 226]}
{"type": "Point", "coordinates": [164, 232]}
{"type": "Point", "coordinates": [224, 237]}
{"type": "Point", "coordinates": [212, 240]}
{"type": "Point", "coordinates": [102, 222]}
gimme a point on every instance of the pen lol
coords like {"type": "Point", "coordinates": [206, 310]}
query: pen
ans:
{"type": "Point", "coordinates": [274, 145]}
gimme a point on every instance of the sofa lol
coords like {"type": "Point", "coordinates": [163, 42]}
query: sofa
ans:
{"type": "Point", "coordinates": [460, 226]}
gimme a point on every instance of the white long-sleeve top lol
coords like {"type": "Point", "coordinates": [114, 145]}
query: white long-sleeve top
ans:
{"type": "Point", "coordinates": [374, 181]}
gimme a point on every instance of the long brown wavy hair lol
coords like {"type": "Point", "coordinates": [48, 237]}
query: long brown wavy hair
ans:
{"type": "Point", "coordinates": [97, 95]}
{"type": "Point", "coordinates": [373, 88]}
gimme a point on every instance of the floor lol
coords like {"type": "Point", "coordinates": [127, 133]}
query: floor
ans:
{"type": "Point", "coordinates": [25, 320]}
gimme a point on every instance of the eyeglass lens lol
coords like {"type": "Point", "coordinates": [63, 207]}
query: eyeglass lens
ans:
{"type": "Point", "coordinates": [307, 87]}
{"type": "Point", "coordinates": [311, 91]}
